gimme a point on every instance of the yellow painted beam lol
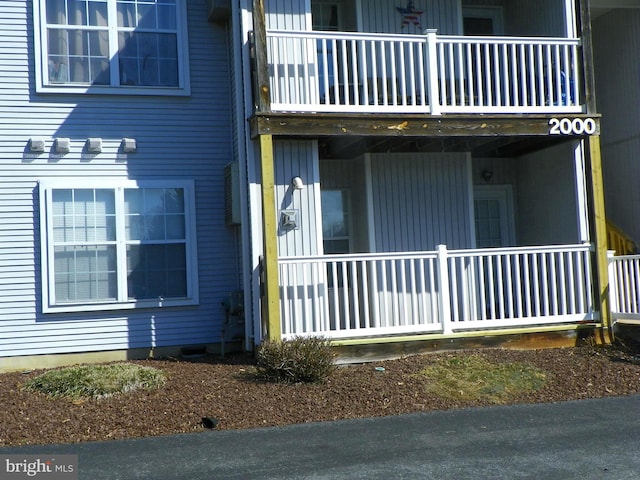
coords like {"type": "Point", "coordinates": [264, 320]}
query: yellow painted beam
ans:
{"type": "Point", "coordinates": [271, 301]}
{"type": "Point", "coordinates": [599, 230]}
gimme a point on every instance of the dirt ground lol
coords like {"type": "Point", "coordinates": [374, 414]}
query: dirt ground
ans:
{"type": "Point", "coordinates": [227, 390]}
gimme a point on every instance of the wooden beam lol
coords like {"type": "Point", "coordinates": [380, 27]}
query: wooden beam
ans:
{"type": "Point", "coordinates": [587, 56]}
{"type": "Point", "coordinates": [599, 232]}
{"type": "Point", "coordinates": [271, 300]}
{"type": "Point", "coordinates": [404, 125]}
{"type": "Point", "coordinates": [261, 73]}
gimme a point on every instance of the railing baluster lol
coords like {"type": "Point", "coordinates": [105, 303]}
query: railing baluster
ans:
{"type": "Point", "coordinates": [376, 294]}
{"type": "Point", "coordinates": [365, 295]}
{"type": "Point", "coordinates": [536, 285]}
{"type": "Point", "coordinates": [492, 287]}
{"type": "Point", "coordinates": [528, 292]}
{"type": "Point", "coordinates": [452, 77]}
{"type": "Point", "coordinates": [355, 294]}
{"type": "Point", "coordinates": [478, 74]}
{"type": "Point", "coordinates": [508, 79]}
{"type": "Point", "coordinates": [385, 295]}
{"type": "Point", "coordinates": [394, 293]}
{"type": "Point", "coordinates": [470, 74]}
{"type": "Point", "coordinates": [516, 74]}
{"type": "Point", "coordinates": [415, 314]}
{"type": "Point", "coordinates": [553, 297]}
{"type": "Point", "coordinates": [509, 286]}
{"type": "Point", "coordinates": [518, 286]}
{"type": "Point", "coordinates": [455, 290]}
{"type": "Point", "coordinates": [482, 290]}
{"type": "Point", "coordinates": [336, 303]}
{"type": "Point", "coordinates": [562, 284]}
{"type": "Point", "coordinates": [423, 292]}
{"type": "Point", "coordinates": [402, 294]}
{"type": "Point", "coordinates": [345, 295]}
{"type": "Point", "coordinates": [572, 284]}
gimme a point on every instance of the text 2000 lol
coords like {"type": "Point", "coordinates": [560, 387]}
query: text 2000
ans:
{"type": "Point", "coordinates": [575, 126]}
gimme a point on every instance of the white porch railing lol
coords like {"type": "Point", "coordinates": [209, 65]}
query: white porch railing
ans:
{"type": "Point", "coordinates": [358, 72]}
{"type": "Point", "coordinates": [624, 287]}
{"type": "Point", "coordinates": [347, 296]}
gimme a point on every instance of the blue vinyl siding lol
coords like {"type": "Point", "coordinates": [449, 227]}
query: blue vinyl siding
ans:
{"type": "Point", "coordinates": [177, 138]}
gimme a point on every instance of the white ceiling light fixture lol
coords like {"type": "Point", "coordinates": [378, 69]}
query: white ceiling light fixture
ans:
{"type": "Point", "coordinates": [297, 183]}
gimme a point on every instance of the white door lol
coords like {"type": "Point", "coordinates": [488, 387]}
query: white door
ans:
{"type": "Point", "coordinates": [493, 216]}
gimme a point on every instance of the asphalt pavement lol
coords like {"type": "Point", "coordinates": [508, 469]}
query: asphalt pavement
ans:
{"type": "Point", "coordinates": [588, 439]}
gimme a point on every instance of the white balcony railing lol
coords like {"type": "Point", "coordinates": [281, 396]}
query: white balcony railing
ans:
{"type": "Point", "coordinates": [624, 279]}
{"type": "Point", "coordinates": [357, 72]}
{"type": "Point", "coordinates": [342, 296]}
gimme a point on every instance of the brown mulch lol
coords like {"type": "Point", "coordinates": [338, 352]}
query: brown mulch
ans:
{"type": "Point", "coordinates": [227, 390]}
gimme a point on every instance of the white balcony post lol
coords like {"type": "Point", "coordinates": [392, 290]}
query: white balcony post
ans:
{"type": "Point", "coordinates": [444, 296]}
{"type": "Point", "coordinates": [613, 284]}
{"type": "Point", "coordinates": [432, 71]}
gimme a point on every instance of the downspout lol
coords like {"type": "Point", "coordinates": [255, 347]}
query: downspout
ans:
{"type": "Point", "coordinates": [596, 189]}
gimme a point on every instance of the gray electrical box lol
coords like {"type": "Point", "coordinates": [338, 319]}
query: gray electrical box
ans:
{"type": "Point", "coordinates": [232, 194]}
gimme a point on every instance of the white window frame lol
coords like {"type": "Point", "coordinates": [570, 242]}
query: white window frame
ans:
{"type": "Point", "coordinates": [496, 14]}
{"type": "Point", "coordinates": [49, 304]}
{"type": "Point", "coordinates": [42, 71]}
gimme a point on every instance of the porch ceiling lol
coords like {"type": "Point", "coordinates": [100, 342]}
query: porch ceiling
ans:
{"type": "Point", "coordinates": [350, 147]}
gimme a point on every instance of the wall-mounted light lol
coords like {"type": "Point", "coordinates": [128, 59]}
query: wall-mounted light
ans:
{"type": "Point", "coordinates": [63, 145]}
{"type": "Point", "coordinates": [297, 183]}
{"type": "Point", "coordinates": [94, 145]}
{"type": "Point", "coordinates": [487, 175]}
{"type": "Point", "coordinates": [36, 145]}
{"type": "Point", "coordinates": [129, 145]}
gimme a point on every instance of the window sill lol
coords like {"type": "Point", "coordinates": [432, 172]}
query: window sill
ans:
{"type": "Point", "coordinates": [127, 90]}
{"type": "Point", "coordinates": [96, 307]}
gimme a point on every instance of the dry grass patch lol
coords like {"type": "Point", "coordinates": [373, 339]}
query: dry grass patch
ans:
{"type": "Point", "coordinates": [95, 381]}
{"type": "Point", "coordinates": [474, 378]}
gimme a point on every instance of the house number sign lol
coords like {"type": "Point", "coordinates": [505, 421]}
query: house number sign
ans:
{"type": "Point", "coordinates": [575, 126]}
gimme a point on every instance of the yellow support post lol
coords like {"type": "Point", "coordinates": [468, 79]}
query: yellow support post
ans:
{"type": "Point", "coordinates": [271, 301]}
{"type": "Point", "coordinates": [599, 230]}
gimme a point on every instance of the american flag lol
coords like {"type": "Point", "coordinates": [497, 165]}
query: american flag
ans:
{"type": "Point", "coordinates": [410, 15]}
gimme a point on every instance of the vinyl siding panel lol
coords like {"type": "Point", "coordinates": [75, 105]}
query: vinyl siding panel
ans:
{"type": "Point", "coordinates": [298, 159]}
{"type": "Point", "coordinates": [616, 38]}
{"type": "Point", "coordinates": [382, 16]}
{"type": "Point", "coordinates": [547, 178]}
{"type": "Point", "coordinates": [420, 201]}
{"type": "Point", "coordinates": [542, 18]}
{"type": "Point", "coordinates": [177, 138]}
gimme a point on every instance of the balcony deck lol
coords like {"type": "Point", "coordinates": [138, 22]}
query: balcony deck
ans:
{"type": "Point", "coordinates": [422, 85]}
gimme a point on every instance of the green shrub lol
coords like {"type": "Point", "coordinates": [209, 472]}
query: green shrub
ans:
{"type": "Point", "coordinates": [95, 381]}
{"type": "Point", "coordinates": [301, 359]}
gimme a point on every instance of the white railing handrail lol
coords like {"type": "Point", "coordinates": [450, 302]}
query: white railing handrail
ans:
{"type": "Point", "coordinates": [433, 253]}
{"type": "Point", "coordinates": [330, 35]}
{"type": "Point", "coordinates": [581, 247]}
{"type": "Point", "coordinates": [509, 40]}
